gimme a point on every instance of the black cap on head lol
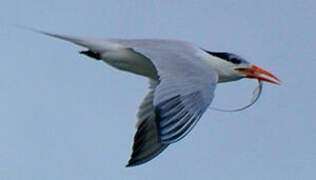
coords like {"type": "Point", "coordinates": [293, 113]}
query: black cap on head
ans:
{"type": "Point", "coordinates": [233, 58]}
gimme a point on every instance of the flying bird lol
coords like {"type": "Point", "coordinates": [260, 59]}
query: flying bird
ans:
{"type": "Point", "coordinates": [182, 78]}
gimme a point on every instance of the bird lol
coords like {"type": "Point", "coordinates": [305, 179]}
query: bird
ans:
{"type": "Point", "coordinates": [182, 78]}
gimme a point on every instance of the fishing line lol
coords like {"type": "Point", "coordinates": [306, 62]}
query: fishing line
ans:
{"type": "Point", "coordinates": [255, 96]}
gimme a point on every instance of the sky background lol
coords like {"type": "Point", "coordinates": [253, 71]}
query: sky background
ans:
{"type": "Point", "coordinates": [65, 116]}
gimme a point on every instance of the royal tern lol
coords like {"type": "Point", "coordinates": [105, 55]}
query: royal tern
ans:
{"type": "Point", "coordinates": [182, 79]}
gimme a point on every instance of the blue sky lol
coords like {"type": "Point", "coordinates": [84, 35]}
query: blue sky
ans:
{"type": "Point", "coordinates": [65, 116]}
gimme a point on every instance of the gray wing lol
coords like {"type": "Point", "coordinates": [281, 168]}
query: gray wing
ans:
{"type": "Point", "coordinates": [186, 86]}
{"type": "Point", "coordinates": [146, 144]}
{"type": "Point", "coordinates": [175, 104]}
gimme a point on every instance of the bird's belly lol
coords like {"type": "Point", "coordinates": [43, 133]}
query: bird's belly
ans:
{"type": "Point", "coordinates": [128, 60]}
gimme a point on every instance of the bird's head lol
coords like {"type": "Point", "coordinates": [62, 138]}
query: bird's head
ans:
{"type": "Point", "coordinates": [232, 67]}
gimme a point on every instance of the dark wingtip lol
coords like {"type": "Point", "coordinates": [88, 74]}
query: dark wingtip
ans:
{"type": "Point", "coordinates": [130, 163]}
{"type": "Point", "coordinates": [133, 162]}
{"type": "Point", "coordinates": [142, 153]}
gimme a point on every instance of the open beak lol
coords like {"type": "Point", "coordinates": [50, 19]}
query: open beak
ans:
{"type": "Point", "coordinates": [259, 73]}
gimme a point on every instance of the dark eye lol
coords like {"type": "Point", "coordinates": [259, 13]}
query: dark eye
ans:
{"type": "Point", "coordinates": [235, 60]}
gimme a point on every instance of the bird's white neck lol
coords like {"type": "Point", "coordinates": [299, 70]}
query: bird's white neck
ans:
{"type": "Point", "coordinates": [224, 69]}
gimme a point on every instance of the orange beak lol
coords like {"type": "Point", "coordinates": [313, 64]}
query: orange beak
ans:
{"type": "Point", "coordinates": [259, 73]}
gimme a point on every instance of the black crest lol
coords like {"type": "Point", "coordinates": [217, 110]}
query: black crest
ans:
{"type": "Point", "coordinates": [233, 58]}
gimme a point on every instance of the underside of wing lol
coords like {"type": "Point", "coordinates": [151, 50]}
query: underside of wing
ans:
{"type": "Point", "coordinates": [177, 116]}
{"type": "Point", "coordinates": [175, 104]}
{"type": "Point", "coordinates": [185, 90]}
{"type": "Point", "coordinates": [146, 144]}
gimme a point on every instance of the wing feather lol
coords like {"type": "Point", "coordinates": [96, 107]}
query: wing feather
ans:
{"type": "Point", "coordinates": [146, 144]}
{"type": "Point", "coordinates": [185, 90]}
